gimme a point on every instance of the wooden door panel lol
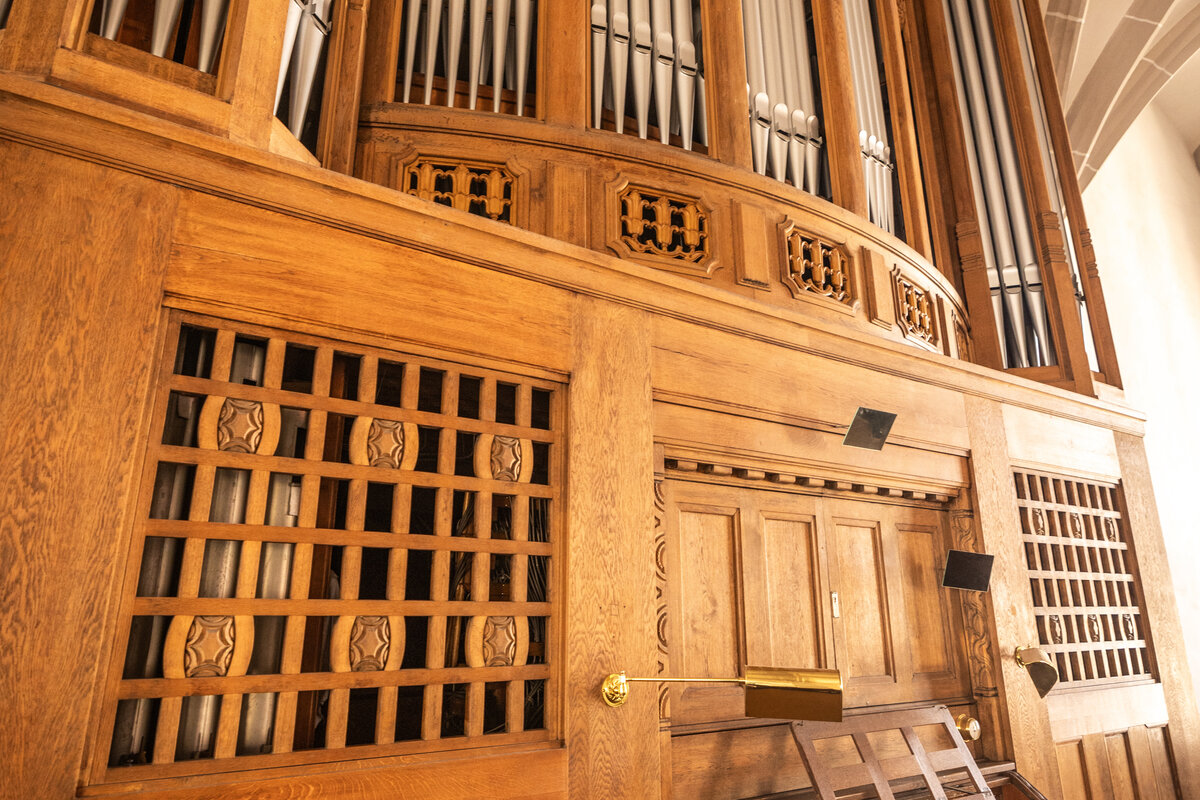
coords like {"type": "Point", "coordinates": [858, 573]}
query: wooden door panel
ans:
{"type": "Point", "coordinates": [793, 619]}
{"type": "Point", "coordinates": [708, 609]}
{"type": "Point", "coordinates": [925, 611]}
{"type": "Point", "coordinates": [865, 652]}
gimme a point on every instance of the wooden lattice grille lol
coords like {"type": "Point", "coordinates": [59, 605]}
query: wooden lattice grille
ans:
{"type": "Point", "coordinates": [1084, 579]}
{"type": "Point", "coordinates": [340, 547]}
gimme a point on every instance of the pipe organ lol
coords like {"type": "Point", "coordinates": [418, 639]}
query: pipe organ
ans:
{"type": "Point", "coordinates": [381, 397]}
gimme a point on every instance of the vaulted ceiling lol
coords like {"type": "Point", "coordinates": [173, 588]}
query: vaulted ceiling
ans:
{"type": "Point", "coordinates": [1112, 57]}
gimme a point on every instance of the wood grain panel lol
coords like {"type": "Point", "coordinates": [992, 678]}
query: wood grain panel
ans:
{"type": "Point", "coordinates": [83, 250]}
{"type": "Point", "coordinates": [793, 615]}
{"type": "Point", "coordinates": [708, 646]}
{"type": "Point", "coordinates": [865, 650]}
{"type": "Point", "coordinates": [925, 612]}
{"type": "Point", "coordinates": [1070, 768]}
{"type": "Point", "coordinates": [610, 579]}
{"type": "Point", "coordinates": [1119, 769]}
{"type": "Point", "coordinates": [727, 764]}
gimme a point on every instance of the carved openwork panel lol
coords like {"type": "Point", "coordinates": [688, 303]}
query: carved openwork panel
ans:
{"type": "Point", "coordinates": [816, 266]}
{"type": "Point", "coordinates": [662, 227]}
{"type": "Point", "coordinates": [914, 310]}
{"type": "Point", "coordinates": [312, 502]}
{"type": "Point", "coordinates": [1084, 580]}
{"type": "Point", "coordinates": [488, 190]}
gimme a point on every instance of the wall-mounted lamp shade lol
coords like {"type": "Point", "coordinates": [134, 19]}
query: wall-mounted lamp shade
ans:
{"type": "Point", "coordinates": [971, 571]}
{"type": "Point", "coordinates": [869, 429]}
{"type": "Point", "coordinates": [771, 692]}
{"type": "Point", "coordinates": [808, 694]}
{"type": "Point", "coordinates": [1040, 667]}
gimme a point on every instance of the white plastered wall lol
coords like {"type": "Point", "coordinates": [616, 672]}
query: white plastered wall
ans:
{"type": "Point", "coordinates": [1143, 209]}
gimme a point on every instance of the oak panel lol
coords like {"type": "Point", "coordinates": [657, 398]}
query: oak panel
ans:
{"type": "Point", "coordinates": [708, 625]}
{"type": "Point", "coordinates": [925, 612]}
{"type": "Point", "coordinates": [793, 615]}
{"type": "Point", "coordinates": [865, 650]}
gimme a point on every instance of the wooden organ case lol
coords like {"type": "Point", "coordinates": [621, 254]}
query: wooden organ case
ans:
{"type": "Point", "coordinates": [384, 373]}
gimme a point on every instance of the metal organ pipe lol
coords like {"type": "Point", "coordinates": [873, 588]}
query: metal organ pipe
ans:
{"type": "Point", "coordinates": [785, 127]}
{"type": "Point", "coordinates": [664, 61]}
{"type": "Point", "coordinates": [1013, 273]}
{"type": "Point", "coordinates": [873, 133]}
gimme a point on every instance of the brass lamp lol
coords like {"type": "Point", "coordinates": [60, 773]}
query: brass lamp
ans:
{"type": "Point", "coordinates": [771, 692]}
{"type": "Point", "coordinates": [1040, 667]}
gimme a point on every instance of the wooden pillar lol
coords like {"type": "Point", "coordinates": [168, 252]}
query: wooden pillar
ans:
{"type": "Point", "coordinates": [35, 31]}
{"type": "Point", "coordinates": [564, 63]}
{"type": "Point", "coordinates": [382, 52]}
{"type": "Point", "coordinates": [841, 115]}
{"type": "Point", "coordinates": [725, 81]}
{"type": "Point", "coordinates": [1162, 613]}
{"type": "Point", "coordinates": [249, 68]}
{"type": "Point", "coordinates": [1027, 719]}
{"type": "Point", "coordinates": [343, 87]}
{"type": "Point", "coordinates": [610, 553]}
{"type": "Point", "coordinates": [78, 362]}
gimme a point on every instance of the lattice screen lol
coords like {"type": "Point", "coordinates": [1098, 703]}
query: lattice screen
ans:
{"type": "Point", "coordinates": [1084, 579]}
{"type": "Point", "coordinates": [341, 546]}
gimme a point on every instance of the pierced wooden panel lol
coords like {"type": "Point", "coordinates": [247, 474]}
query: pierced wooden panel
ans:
{"type": "Point", "coordinates": [667, 230]}
{"type": "Point", "coordinates": [318, 548]}
{"type": "Point", "coordinates": [488, 190]}
{"type": "Point", "coordinates": [1084, 579]}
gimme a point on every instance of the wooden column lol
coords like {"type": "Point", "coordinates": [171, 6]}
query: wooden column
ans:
{"type": "Point", "coordinates": [841, 115]}
{"type": "Point", "coordinates": [725, 80]}
{"type": "Point", "coordinates": [84, 250]}
{"type": "Point", "coordinates": [1161, 611]}
{"type": "Point", "coordinates": [382, 52]}
{"type": "Point", "coordinates": [35, 31]}
{"type": "Point", "coordinates": [564, 63]}
{"type": "Point", "coordinates": [1106, 353]}
{"type": "Point", "coordinates": [610, 553]}
{"type": "Point", "coordinates": [1027, 720]}
{"type": "Point", "coordinates": [343, 86]}
{"type": "Point", "coordinates": [249, 68]}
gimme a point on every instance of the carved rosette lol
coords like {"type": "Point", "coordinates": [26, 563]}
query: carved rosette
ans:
{"type": "Point", "coordinates": [815, 266]}
{"type": "Point", "coordinates": [383, 443]}
{"type": "Point", "coordinates": [208, 646]}
{"type": "Point", "coordinates": [1128, 626]}
{"type": "Point", "coordinates": [1056, 631]}
{"type": "Point", "coordinates": [661, 225]}
{"type": "Point", "coordinates": [503, 458]}
{"type": "Point", "coordinates": [497, 641]}
{"type": "Point", "coordinates": [1093, 626]}
{"type": "Point", "coordinates": [366, 643]}
{"type": "Point", "coordinates": [235, 425]}
{"type": "Point", "coordinates": [914, 309]}
{"type": "Point", "coordinates": [473, 186]}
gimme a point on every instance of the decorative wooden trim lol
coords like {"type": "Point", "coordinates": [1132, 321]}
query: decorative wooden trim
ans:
{"type": "Point", "coordinates": [735, 475]}
{"type": "Point", "coordinates": [663, 229]}
{"type": "Point", "coordinates": [488, 189]}
{"type": "Point", "coordinates": [916, 314]}
{"type": "Point", "coordinates": [813, 266]}
{"type": "Point", "coordinates": [663, 662]}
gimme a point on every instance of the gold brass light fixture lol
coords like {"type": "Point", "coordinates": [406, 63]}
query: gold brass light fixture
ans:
{"type": "Point", "coordinates": [771, 692]}
{"type": "Point", "coordinates": [1040, 667]}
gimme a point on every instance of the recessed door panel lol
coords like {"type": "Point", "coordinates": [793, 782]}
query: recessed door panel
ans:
{"type": "Point", "coordinates": [793, 618]}
{"type": "Point", "coordinates": [707, 593]}
{"type": "Point", "coordinates": [923, 599]}
{"type": "Point", "coordinates": [865, 650]}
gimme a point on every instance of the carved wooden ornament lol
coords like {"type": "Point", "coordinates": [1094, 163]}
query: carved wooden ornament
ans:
{"type": "Point", "coordinates": [914, 309]}
{"type": "Point", "coordinates": [383, 443]}
{"type": "Point", "coordinates": [366, 643]}
{"type": "Point", "coordinates": [503, 458]}
{"type": "Point", "coordinates": [497, 641]}
{"type": "Point", "coordinates": [208, 646]}
{"type": "Point", "coordinates": [235, 425]}
{"type": "Point", "coordinates": [815, 266]}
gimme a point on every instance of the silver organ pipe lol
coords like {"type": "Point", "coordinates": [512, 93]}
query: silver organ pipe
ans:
{"type": "Point", "coordinates": [290, 31]}
{"type": "Point", "coordinates": [211, 16]}
{"type": "Point", "coordinates": [1014, 276]}
{"type": "Point", "coordinates": [112, 14]}
{"type": "Point", "coordinates": [872, 120]}
{"type": "Point", "coordinates": [4, 4]}
{"type": "Point", "coordinates": [784, 118]}
{"type": "Point", "coordinates": [311, 41]}
{"type": "Point", "coordinates": [644, 53]}
{"type": "Point", "coordinates": [488, 40]}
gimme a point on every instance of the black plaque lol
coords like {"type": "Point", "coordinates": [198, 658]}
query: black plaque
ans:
{"type": "Point", "coordinates": [869, 429]}
{"type": "Point", "coordinates": [972, 571]}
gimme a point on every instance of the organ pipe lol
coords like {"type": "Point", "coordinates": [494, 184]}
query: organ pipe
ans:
{"type": "Point", "coordinates": [784, 120]}
{"type": "Point", "coordinates": [1014, 276]}
{"type": "Point", "coordinates": [644, 53]}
